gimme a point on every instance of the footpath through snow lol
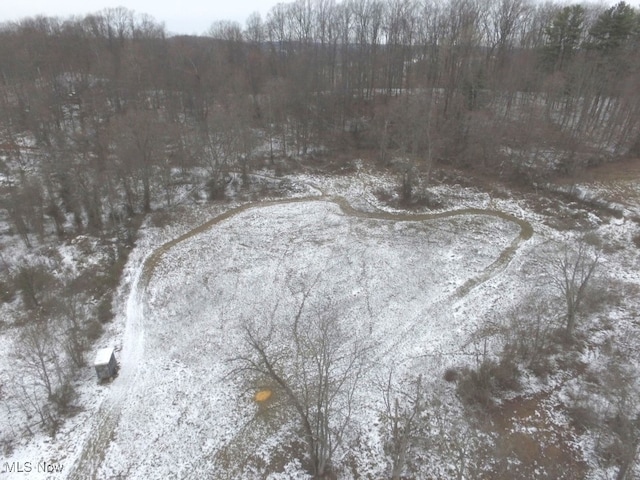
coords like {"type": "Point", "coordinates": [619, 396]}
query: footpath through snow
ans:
{"type": "Point", "coordinates": [127, 389]}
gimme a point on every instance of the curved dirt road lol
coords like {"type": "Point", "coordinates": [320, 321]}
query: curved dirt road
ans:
{"type": "Point", "coordinates": [108, 416]}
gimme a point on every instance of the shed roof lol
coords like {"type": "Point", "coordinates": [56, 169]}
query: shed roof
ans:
{"type": "Point", "coordinates": [103, 356]}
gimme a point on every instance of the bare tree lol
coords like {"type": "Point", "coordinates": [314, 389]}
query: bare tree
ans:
{"type": "Point", "coordinates": [403, 413]}
{"type": "Point", "coordinates": [458, 441]}
{"type": "Point", "coordinates": [627, 430]}
{"type": "Point", "coordinates": [609, 408]}
{"type": "Point", "coordinates": [527, 331]}
{"type": "Point", "coordinates": [570, 274]}
{"type": "Point", "coordinates": [36, 285]}
{"type": "Point", "coordinates": [417, 421]}
{"type": "Point", "coordinates": [35, 353]}
{"type": "Point", "coordinates": [316, 364]}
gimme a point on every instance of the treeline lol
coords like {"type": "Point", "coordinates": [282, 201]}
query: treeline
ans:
{"type": "Point", "coordinates": [115, 106]}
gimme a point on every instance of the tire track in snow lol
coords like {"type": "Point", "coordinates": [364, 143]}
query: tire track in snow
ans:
{"type": "Point", "coordinates": [108, 416]}
{"type": "Point", "coordinates": [492, 270]}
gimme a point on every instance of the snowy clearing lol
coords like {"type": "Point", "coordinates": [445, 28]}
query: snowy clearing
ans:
{"type": "Point", "coordinates": [415, 286]}
{"type": "Point", "coordinates": [393, 278]}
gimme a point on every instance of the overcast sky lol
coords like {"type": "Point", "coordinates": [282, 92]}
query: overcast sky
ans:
{"type": "Point", "coordinates": [179, 16]}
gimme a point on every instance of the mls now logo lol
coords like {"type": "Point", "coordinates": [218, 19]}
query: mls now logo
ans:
{"type": "Point", "coordinates": [28, 467]}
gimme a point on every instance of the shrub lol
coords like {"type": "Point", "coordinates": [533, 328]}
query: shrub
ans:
{"type": "Point", "coordinates": [529, 335]}
{"type": "Point", "coordinates": [75, 346]}
{"type": "Point", "coordinates": [478, 387]}
{"type": "Point", "coordinates": [7, 291]}
{"type": "Point", "coordinates": [63, 396]}
{"type": "Point", "coordinates": [474, 389]}
{"type": "Point", "coordinates": [582, 418]}
{"type": "Point", "coordinates": [195, 195]}
{"type": "Point", "coordinates": [104, 312]}
{"type": "Point", "coordinates": [506, 376]}
{"type": "Point", "coordinates": [215, 189]}
{"type": "Point", "coordinates": [451, 375]}
{"type": "Point", "coordinates": [6, 445]}
{"type": "Point", "coordinates": [160, 219]}
{"type": "Point", "coordinates": [35, 282]}
{"type": "Point", "coordinates": [93, 330]}
{"type": "Point", "coordinates": [542, 367]}
{"type": "Point", "coordinates": [383, 195]}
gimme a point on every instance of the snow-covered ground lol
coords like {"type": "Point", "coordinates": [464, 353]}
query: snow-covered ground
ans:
{"type": "Point", "coordinates": [176, 412]}
{"type": "Point", "coordinates": [388, 277]}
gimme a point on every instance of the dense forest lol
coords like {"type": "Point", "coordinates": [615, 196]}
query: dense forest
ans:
{"type": "Point", "coordinates": [114, 106]}
{"type": "Point", "coordinates": [107, 118]}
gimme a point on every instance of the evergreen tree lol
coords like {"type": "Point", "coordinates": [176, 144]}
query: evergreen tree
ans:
{"type": "Point", "coordinates": [563, 37]}
{"type": "Point", "coordinates": [614, 28]}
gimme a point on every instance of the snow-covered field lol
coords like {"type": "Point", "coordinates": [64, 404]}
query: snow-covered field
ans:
{"type": "Point", "coordinates": [389, 279]}
{"type": "Point", "coordinates": [417, 288]}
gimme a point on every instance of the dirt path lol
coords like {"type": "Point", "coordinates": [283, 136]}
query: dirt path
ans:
{"type": "Point", "coordinates": [108, 415]}
{"type": "Point", "coordinates": [107, 418]}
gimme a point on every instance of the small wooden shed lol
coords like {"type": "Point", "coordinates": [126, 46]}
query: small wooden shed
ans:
{"type": "Point", "coordinates": [105, 363]}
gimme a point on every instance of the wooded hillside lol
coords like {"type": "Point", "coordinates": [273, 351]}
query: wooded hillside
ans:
{"type": "Point", "coordinates": [113, 106]}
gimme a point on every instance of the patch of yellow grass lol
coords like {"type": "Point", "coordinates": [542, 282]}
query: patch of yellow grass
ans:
{"type": "Point", "coordinates": [263, 395]}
